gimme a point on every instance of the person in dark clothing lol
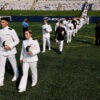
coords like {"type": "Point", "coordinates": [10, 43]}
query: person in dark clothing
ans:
{"type": "Point", "coordinates": [74, 22]}
{"type": "Point", "coordinates": [97, 33]}
{"type": "Point", "coordinates": [59, 36]}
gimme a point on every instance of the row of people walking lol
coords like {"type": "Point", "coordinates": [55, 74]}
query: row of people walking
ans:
{"type": "Point", "coordinates": [30, 48]}
{"type": "Point", "coordinates": [64, 30]}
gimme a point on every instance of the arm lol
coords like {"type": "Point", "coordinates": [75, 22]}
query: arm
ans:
{"type": "Point", "coordinates": [56, 33]}
{"type": "Point", "coordinates": [56, 27]}
{"type": "Point", "coordinates": [15, 39]}
{"type": "Point", "coordinates": [0, 42]}
{"type": "Point", "coordinates": [64, 31]}
{"type": "Point", "coordinates": [22, 53]}
{"type": "Point", "coordinates": [37, 50]}
{"type": "Point", "coordinates": [50, 29]}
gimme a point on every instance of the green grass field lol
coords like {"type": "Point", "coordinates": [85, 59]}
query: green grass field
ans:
{"type": "Point", "coordinates": [74, 75]}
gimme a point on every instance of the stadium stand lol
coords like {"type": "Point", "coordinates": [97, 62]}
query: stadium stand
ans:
{"type": "Point", "coordinates": [16, 4]}
{"type": "Point", "coordinates": [58, 5]}
{"type": "Point", "coordinates": [48, 4]}
{"type": "Point", "coordinates": [66, 4]}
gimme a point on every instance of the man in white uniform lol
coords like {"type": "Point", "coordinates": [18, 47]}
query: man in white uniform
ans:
{"type": "Point", "coordinates": [65, 22]}
{"type": "Point", "coordinates": [70, 30]}
{"type": "Point", "coordinates": [57, 24]}
{"type": "Point", "coordinates": [8, 42]}
{"type": "Point", "coordinates": [46, 29]}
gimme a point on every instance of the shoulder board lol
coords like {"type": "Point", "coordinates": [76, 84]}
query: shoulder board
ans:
{"type": "Point", "coordinates": [10, 28]}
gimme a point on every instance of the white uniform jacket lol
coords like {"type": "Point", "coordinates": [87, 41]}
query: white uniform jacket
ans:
{"type": "Point", "coordinates": [48, 28]}
{"type": "Point", "coordinates": [25, 57]}
{"type": "Point", "coordinates": [65, 23]}
{"type": "Point", "coordinates": [70, 27]}
{"type": "Point", "coordinates": [9, 35]}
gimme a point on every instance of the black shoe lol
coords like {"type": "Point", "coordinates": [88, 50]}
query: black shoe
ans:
{"type": "Point", "coordinates": [67, 44]}
{"type": "Point", "coordinates": [59, 52]}
{"type": "Point", "coordinates": [96, 44]}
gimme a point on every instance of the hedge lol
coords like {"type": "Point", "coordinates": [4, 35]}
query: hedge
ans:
{"type": "Point", "coordinates": [44, 13]}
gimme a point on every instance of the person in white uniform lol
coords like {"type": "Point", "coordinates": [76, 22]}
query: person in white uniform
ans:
{"type": "Point", "coordinates": [30, 49]}
{"type": "Point", "coordinates": [70, 30]}
{"type": "Point", "coordinates": [65, 22]}
{"type": "Point", "coordinates": [8, 42]}
{"type": "Point", "coordinates": [57, 24]}
{"type": "Point", "coordinates": [46, 30]}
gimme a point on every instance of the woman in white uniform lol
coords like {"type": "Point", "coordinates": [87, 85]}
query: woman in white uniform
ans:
{"type": "Point", "coordinates": [30, 49]}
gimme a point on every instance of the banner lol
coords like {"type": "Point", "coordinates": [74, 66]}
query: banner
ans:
{"type": "Point", "coordinates": [92, 19]}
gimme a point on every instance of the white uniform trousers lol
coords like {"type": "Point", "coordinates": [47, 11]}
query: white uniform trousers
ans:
{"type": "Point", "coordinates": [44, 43]}
{"type": "Point", "coordinates": [25, 68]}
{"type": "Point", "coordinates": [60, 44]}
{"type": "Point", "coordinates": [13, 62]}
{"type": "Point", "coordinates": [77, 27]}
{"type": "Point", "coordinates": [74, 32]}
{"type": "Point", "coordinates": [69, 36]}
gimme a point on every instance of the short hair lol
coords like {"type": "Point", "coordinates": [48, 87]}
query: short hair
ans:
{"type": "Point", "coordinates": [26, 20]}
{"type": "Point", "coordinates": [5, 18]}
{"type": "Point", "coordinates": [97, 22]}
{"type": "Point", "coordinates": [29, 31]}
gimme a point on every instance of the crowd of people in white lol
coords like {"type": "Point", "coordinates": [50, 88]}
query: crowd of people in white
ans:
{"type": "Point", "coordinates": [46, 4]}
{"type": "Point", "coordinates": [71, 26]}
{"type": "Point", "coordinates": [30, 47]}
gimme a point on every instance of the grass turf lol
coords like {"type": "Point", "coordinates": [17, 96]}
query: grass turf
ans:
{"type": "Point", "coordinates": [74, 75]}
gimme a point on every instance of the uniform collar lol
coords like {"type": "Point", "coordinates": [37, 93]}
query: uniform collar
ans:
{"type": "Point", "coordinates": [6, 27]}
{"type": "Point", "coordinates": [29, 39]}
{"type": "Point", "coordinates": [46, 24]}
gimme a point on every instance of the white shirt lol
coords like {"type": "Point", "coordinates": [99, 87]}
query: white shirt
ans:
{"type": "Point", "coordinates": [48, 28]}
{"type": "Point", "coordinates": [25, 57]}
{"type": "Point", "coordinates": [70, 25]}
{"type": "Point", "coordinates": [9, 35]}
{"type": "Point", "coordinates": [65, 22]}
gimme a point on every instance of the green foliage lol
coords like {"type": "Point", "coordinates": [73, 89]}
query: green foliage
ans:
{"type": "Point", "coordinates": [40, 13]}
{"type": "Point", "coordinates": [46, 13]}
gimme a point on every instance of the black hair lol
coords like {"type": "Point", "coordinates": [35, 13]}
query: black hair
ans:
{"type": "Point", "coordinates": [5, 18]}
{"type": "Point", "coordinates": [61, 21]}
{"type": "Point", "coordinates": [98, 22]}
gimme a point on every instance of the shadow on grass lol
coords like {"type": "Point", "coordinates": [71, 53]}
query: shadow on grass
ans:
{"type": "Point", "coordinates": [83, 41]}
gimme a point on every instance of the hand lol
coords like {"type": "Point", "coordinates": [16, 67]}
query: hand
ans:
{"type": "Point", "coordinates": [7, 47]}
{"type": "Point", "coordinates": [46, 30]}
{"type": "Point", "coordinates": [30, 53]}
{"type": "Point", "coordinates": [56, 40]}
